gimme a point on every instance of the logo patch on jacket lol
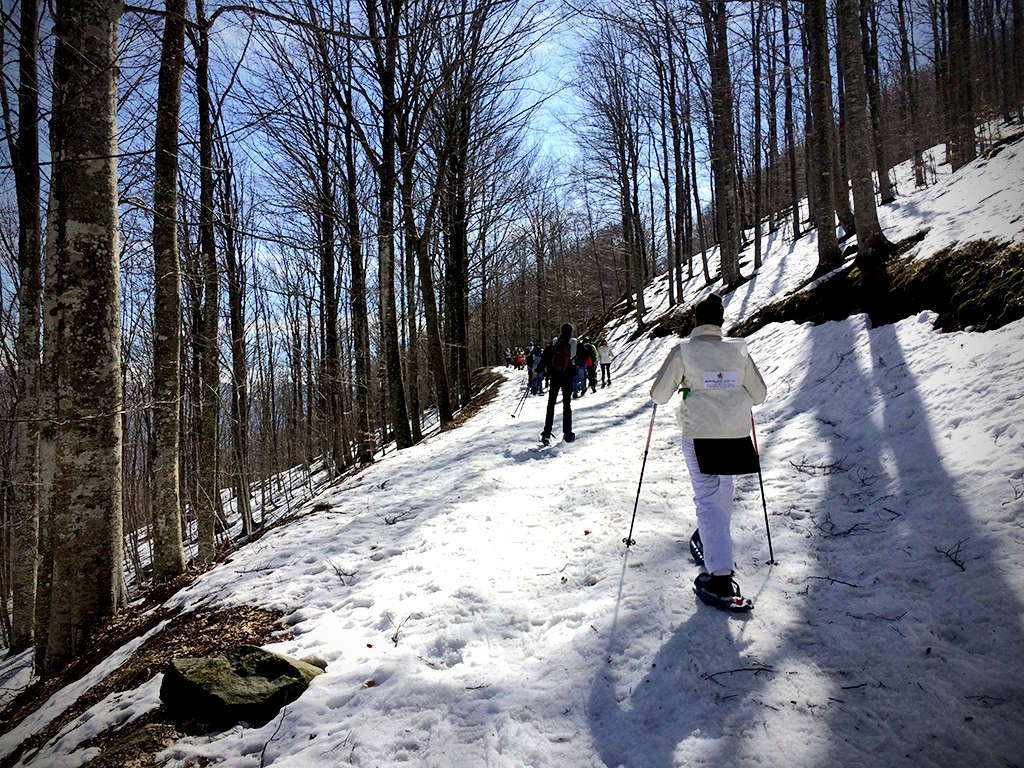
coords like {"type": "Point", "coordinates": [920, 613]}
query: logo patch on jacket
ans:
{"type": "Point", "coordinates": [721, 379]}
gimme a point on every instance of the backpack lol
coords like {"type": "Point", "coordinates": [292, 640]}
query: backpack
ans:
{"type": "Point", "coordinates": [561, 355]}
{"type": "Point", "coordinates": [591, 355]}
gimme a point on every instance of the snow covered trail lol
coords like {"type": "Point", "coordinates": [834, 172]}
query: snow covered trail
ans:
{"type": "Point", "coordinates": [502, 621]}
{"type": "Point", "coordinates": [476, 606]}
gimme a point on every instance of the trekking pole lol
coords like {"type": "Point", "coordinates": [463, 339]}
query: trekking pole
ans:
{"type": "Point", "coordinates": [522, 400]}
{"type": "Point", "coordinates": [628, 541]}
{"type": "Point", "coordinates": [764, 504]}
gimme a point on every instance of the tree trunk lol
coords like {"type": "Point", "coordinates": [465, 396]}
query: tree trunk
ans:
{"type": "Point", "coordinates": [672, 263]}
{"type": "Point", "coordinates": [961, 148]}
{"type": "Point", "coordinates": [209, 375]}
{"type": "Point", "coordinates": [790, 128]}
{"type": "Point", "coordinates": [47, 436]}
{"type": "Point", "coordinates": [460, 247]}
{"type": "Point", "coordinates": [840, 172]}
{"type": "Point", "coordinates": [872, 245]}
{"type": "Point", "coordinates": [772, 164]}
{"type": "Point", "coordinates": [678, 161]}
{"type": "Point", "coordinates": [386, 49]}
{"type": "Point", "coordinates": [168, 554]}
{"type": "Point", "coordinates": [723, 144]}
{"type": "Point", "coordinates": [239, 366]}
{"type": "Point", "coordinates": [756, 22]}
{"type": "Point", "coordinates": [909, 81]}
{"type": "Point", "coordinates": [24, 542]}
{"type": "Point", "coordinates": [88, 582]}
{"type": "Point", "coordinates": [820, 149]}
{"type": "Point", "coordinates": [869, 44]}
{"type": "Point", "coordinates": [331, 364]}
{"type": "Point", "coordinates": [365, 438]}
{"type": "Point", "coordinates": [411, 345]}
{"type": "Point", "coordinates": [1017, 78]}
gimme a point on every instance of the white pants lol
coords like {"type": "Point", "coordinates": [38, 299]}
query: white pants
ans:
{"type": "Point", "coordinates": [712, 495]}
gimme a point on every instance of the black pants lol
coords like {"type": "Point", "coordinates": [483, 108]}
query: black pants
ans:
{"type": "Point", "coordinates": [606, 373]}
{"type": "Point", "coordinates": [559, 381]}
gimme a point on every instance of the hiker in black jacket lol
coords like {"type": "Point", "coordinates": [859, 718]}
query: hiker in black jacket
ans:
{"type": "Point", "coordinates": [560, 363]}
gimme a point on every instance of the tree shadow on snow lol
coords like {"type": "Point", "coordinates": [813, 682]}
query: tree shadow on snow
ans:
{"type": "Point", "coordinates": [908, 673]}
{"type": "Point", "coordinates": [886, 650]}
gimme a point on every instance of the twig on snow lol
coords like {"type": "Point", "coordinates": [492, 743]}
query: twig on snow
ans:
{"type": "Point", "coordinates": [953, 553]}
{"type": "Point", "coordinates": [342, 574]}
{"type": "Point", "coordinates": [280, 722]}
{"type": "Point", "coordinates": [756, 670]}
{"type": "Point", "coordinates": [830, 580]}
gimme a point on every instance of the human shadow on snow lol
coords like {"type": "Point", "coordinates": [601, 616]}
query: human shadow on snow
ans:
{"type": "Point", "coordinates": [690, 692]}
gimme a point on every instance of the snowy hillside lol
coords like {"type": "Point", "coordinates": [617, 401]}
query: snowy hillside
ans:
{"type": "Point", "coordinates": [475, 603]}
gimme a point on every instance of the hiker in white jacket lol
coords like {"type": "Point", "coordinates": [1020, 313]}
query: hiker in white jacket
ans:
{"type": "Point", "coordinates": [605, 357]}
{"type": "Point", "coordinates": [719, 383]}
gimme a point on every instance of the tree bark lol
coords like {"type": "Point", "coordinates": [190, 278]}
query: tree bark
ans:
{"type": "Point", "coordinates": [1018, 58]}
{"type": "Point", "coordinates": [384, 36]}
{"type": "Point", "coordinates": [840, 173]}
{"type": "Point", "coordinates": [88, 583]}
{"type": "Point", "coordinates": [872, 245]}
{"type": "Point", "coordinates": [821, 150]}
{"type": "Point", "coordinates": [961, 147]}
{"type": "Point", "coordinates": [209, 376]}
{"type": "Point", "coordinates": [357, 296]}
{"type": "Point", "coordinates": [756, 22]}
{"type": "Point", "coordinates": [790, 128]}
{"type": "Point", "coordinates": [909, 81]}
{"type": "Point", "coordinates": [168, 553]}
{"type": "Point", "coordinates": [24, 541]}
{"type": "Point", "coordinates": [724, 144]}
{"type": "Point", "coordinates": [869, 44]}
{"type": "Point", "coordinates": [235, 273]}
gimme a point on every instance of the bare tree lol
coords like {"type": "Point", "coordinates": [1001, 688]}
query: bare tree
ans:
{"type": "Point", "coordinates": [608, 82]}
{"type": "Point", "coordinates": [790, 127]}
{"type": "Point", "coordinates": [231, 205]}
{"type": "Point", "coordinates": [872, 245]}
{"type": "Point", "coordinates": [168, 554]}
{"type": "Point", "coordinates": [87, 585]}
{"type": "Point", "coordinates": [24, 151]}
{"type": "Point", "coordinates": [869, 47]}
{"type": "Point", "coordinates": [715, 18]}
{"type": "Point", "coordinates": [960, 143]}
{"type": "Point", "coordinates": [209, 510]}
{"type": "Point", "coordinates": [821, 138]}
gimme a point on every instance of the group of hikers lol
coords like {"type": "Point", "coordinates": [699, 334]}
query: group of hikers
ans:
{"type": "Point", "coordinates": [719, 384]}
{"type": "Point", "coordinates": [585, 359]}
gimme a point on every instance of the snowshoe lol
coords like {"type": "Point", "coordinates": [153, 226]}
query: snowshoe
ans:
{"type": "Point", "coordinates": [545, 439]}
{"type": "Point", "coordinates": [721, 592]}
{"type": "Point", "coordinates": [697, 549]}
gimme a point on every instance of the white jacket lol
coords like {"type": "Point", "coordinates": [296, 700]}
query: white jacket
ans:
{"type": "Point", "coordinates": [605, 353]}
{"type": "Point", "coordinates": [723, 382]}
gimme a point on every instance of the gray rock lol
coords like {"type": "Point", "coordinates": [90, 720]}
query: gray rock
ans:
{"type": "Point", "coordinates": [243, 683]}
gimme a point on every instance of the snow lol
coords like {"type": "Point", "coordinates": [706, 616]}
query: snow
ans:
{"type": "Point", "coordinates": [476, 605]}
